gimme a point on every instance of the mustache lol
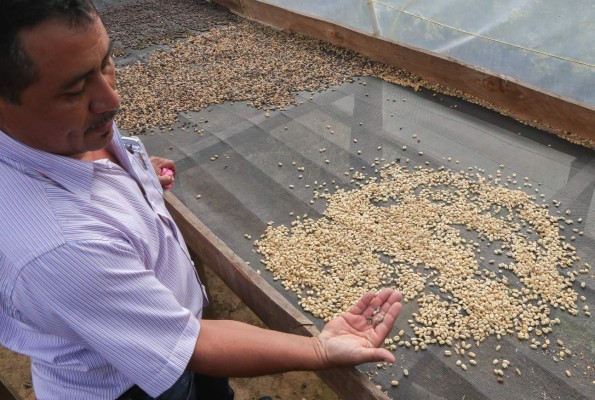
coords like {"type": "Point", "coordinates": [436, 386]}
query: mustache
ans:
{"type": "Point", "coordinates": [107, 117]}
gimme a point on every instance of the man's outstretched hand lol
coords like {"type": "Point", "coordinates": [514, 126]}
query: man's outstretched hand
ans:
{"type": "Point", "coordinates": [353, 338]}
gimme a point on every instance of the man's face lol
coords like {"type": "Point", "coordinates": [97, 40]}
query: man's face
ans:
{"type": "Point", "coordinates": [69, 109]}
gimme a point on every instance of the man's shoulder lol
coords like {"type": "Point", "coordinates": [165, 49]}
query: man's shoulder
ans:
{"type": "Point", "coordinates": [22, 193]}
{"type": "Point", "coordinates": [27, 220]}
{"type": "Point", "coordinates": [38, 214]}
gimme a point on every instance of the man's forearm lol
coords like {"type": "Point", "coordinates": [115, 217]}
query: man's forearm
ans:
{"type": "Point", "coordinates": [229, 348]}
{"type": "Point", "coordinates": [235, 349]}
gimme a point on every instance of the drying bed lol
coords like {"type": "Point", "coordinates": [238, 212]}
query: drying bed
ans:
{"type": "Point", "coordinates": [243, 170]}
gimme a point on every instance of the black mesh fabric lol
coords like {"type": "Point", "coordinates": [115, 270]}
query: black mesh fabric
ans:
{"type": "Point", "coordinates": [244, 188]}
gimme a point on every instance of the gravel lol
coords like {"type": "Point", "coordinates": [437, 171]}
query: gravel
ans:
{"type": "Point", "coordinates": [145, 23]}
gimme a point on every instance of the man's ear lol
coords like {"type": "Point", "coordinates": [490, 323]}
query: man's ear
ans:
{"type": "Point", "coordinates": [4, 110]}
{"type": "Point", "coordinates": [7, 108]}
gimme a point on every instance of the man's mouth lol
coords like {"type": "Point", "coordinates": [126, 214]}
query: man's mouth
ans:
{"type": "Point", "coordinates": [101, 128]}
{"type": "Point", "coordinates": [105, 124]}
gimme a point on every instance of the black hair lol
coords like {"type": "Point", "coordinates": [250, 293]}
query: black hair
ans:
{"type": "Point", "coordinates": [17, 70]}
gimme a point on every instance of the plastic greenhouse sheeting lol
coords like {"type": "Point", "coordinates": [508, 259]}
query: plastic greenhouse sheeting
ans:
{"type": "Point", "coordinates": [550, 45]}
{"type": "Point", "coordinates": [244, 189]}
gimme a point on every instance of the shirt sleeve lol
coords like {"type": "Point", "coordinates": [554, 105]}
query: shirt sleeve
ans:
{"type": "Point", "coordinates": [99, 295]}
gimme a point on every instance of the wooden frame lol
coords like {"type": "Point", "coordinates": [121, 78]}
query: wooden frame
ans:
{"type": "Point", "coordinates": [6, 393]}
{"type": "Point", "coordinates": [265, 301]}
{"type": "Point", "coordinates": [526, 103]}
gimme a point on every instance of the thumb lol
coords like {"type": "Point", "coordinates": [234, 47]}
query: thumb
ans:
{"type": "Point", "coordinates": [377, 354]}
{"type": "Point", "coordinates": [166, 181]}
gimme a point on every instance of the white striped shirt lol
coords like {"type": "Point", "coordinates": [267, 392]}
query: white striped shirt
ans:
{"type": "Point", "coordinates": [96, 284]}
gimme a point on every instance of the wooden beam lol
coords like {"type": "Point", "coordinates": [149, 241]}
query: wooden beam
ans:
{"type": "Point", "coordinates": [265, 301]}
{"type": "Point", "coordinates": [6, 393]}
{"type": "Point", "coordinates": [234, 5]}
{"type": "Point", "coordinates": [526, 103]}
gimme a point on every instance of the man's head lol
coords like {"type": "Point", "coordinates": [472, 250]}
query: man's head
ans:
{"type": "Point", "coordinates": [57, 80]}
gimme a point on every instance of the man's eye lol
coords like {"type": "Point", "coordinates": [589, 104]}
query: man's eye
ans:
{"type": "Point", "coordinates": [74, 94]}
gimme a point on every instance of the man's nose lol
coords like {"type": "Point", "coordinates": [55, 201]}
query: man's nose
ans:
{"type": "Point", "coordinates": [105, 98]}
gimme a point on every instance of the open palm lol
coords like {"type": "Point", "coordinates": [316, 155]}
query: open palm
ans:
{"type": "Point", "coordinates": [354, 337]}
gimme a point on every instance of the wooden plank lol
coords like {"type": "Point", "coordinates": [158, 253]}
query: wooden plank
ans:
{"type": "Point", "coordinates": [265, 301]}
{"type": "Point", "coordinates": [231, 4]}
{"type": "Point", "coordinates": [277, 312]}
{"type": "Point", "coordinates": [6, 393]}
{"type": "Point", "coordinates": [540, 108]}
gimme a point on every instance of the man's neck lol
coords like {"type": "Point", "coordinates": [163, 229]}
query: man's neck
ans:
{"type": "Point", "coordinates": [99, 155]}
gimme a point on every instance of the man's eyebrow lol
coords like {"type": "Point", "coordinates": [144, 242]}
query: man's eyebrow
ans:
{"type": "Point", "coordinates": [72, 82]}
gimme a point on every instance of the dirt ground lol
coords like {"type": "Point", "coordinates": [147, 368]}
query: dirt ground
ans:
{"type": "Point", "coordinates": [15, 374]}
{"type": "Point", "coordinates": [224, 304]}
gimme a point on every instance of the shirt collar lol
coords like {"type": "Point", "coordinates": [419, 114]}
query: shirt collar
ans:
{"type": "Point", "coordinates": [74, 175]}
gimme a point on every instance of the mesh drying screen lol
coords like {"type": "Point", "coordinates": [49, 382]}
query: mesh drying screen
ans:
{"type": "Point", "coordinates": [234, 165]}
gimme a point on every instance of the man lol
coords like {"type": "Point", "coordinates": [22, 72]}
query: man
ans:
{"type": "Point", "coordinates": [96, 284]}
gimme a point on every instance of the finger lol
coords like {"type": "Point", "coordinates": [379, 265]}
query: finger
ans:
{"type": "Point", "coordinates": [155, 161]}
{"type": "Point", "coordinates": [159, 162]}
{"type": "Point", "coordinates": [385, 326]}
{"type": "Point", "coordinates": [377, 354]}
{"type": "Point", "coordinates": [167, 163]}
{"type": "Point", "coordinates": [166, 181]}
{"type": "Point", "coordinates": [170, 164]}
{"type": "Point", "coordinates": [391, 295]}
{"type": "Point", "coordinates": [382, 301]}
{"type": "Point", "coordinates": [363, 303]}
{"type": "Point", "coordinates": [394, 297]}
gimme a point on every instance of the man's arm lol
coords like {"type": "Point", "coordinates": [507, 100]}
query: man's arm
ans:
{"type": "Point", "coordinates": [230, 348]}
{"type": "Point", "coordinates": [235, 349]}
